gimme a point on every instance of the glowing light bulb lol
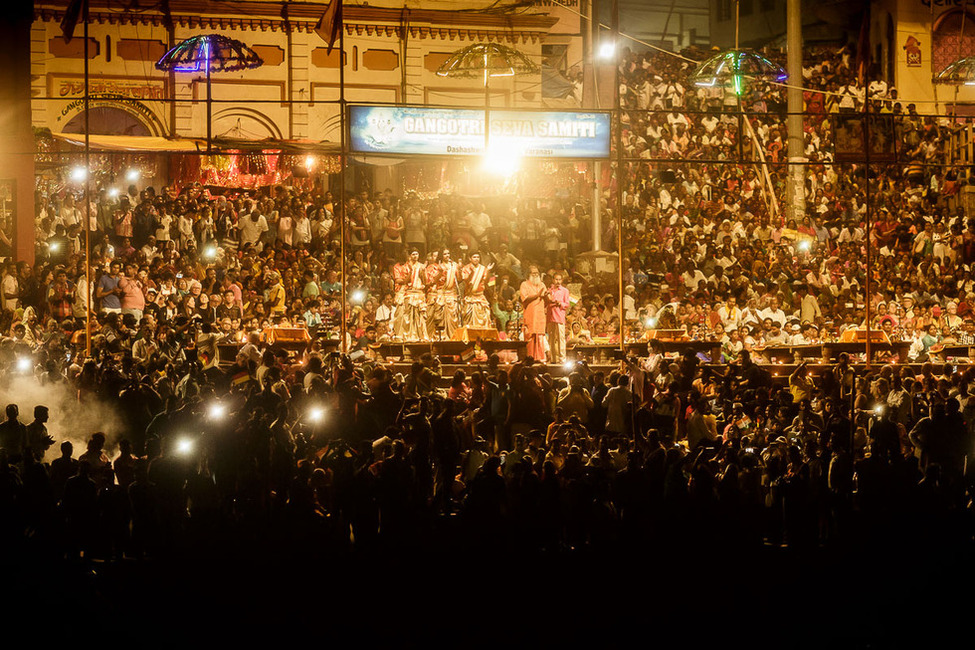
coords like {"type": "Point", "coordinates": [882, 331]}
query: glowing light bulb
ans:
{"type": "Point", "coordinates": [316, 414]}
{"type": "Point", "coordinates": [309, 162]}
{"type": "Point", "coordinates": [358, 297]}
{"type": "Point", "coordinates": [132, 175]}
{"type": "Point", "coordinates": [607, 50]}
{"type": "Point", "coordinates": [113, 193]}
{"type": "Point", "coordinates": [184, 446]}
{"type": "Point", "coordinates": [24, 364]}
{"type": "Point", "coordinates": [217, 411]}
{"type": "Point", "coordinates": [79, 174]}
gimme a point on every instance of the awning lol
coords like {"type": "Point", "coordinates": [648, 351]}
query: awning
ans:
{"type": "Point", "coordinates": [157, 144]}
{"type": "Point", "coordinates": [131, 142]}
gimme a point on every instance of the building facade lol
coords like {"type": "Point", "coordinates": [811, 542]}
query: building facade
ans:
{"type": "Point", "coordinates": [392, 52]}
{"type": "Point", "coordinates": [914, 40]}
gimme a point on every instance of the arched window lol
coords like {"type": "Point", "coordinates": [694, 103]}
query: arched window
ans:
{"type": "Point", "coordinates": [109, 120]}
{"type": "Point", "coordinates": [952, 37]}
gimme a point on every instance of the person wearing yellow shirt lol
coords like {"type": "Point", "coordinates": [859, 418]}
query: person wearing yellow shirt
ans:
{"type": "Point", "coordinates": [800, 385]}
{"type": "Point", "coordinates": [276, 296]}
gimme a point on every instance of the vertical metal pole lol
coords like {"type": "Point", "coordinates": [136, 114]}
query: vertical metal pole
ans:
{"type": "Point", "coordinates": [342, 167]}
{"type": "Point", "coordinates": [869, 211]}
{"type": "Point", "coordinates": [617, 102]}
{"type": "Point", "coordinates": [796, 204]}
{"type": "Point", "coordinates": [487, 106]}
{"type": "Point", "coordinates": [87, 190]}
{"type": "Point", "coordinates": [209, 108]}
{"type": "Point", "coordinates": [590, 98]}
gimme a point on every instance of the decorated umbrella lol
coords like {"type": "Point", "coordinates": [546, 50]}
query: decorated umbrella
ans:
{"type": "Point", "coordinates": [486, 60]}
{"type": "Point", "coordinates": [209, 53]}
{"type": "Point", "coordinates": [958, 73]}
{"type": "Point", "coordinates": [729, 67]}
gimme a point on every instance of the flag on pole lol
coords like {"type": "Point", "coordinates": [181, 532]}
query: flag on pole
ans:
{"type": "Point", "coordinates": [330, 23]}
{"type": "Point", "coordinates": [70, 20]}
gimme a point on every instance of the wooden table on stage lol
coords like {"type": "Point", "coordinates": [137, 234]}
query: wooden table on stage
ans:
{"type": "Point", "coordinates": [607, 352]}
{"type": "Point", "coordinates": [414, 350]}
{"type": "Point", "coordinates": [468, 334]}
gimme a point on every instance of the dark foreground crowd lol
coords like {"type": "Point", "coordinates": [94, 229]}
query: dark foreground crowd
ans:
{"type": "Point", "coordinates": [323, 454]}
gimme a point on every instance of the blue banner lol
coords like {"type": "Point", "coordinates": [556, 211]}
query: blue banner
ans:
{"type": "Point", "coordinates": [402, 130]}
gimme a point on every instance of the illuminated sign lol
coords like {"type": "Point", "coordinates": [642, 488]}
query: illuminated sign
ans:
{"type": "Point", "coordinates": [460, 132]}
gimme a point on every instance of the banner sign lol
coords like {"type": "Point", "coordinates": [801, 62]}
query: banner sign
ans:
{"type": "Point", "coordinates": [402, 130]}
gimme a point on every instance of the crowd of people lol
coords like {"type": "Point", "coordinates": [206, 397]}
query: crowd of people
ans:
{"type": "Point", "coordinates": [712, 250]}
{"type": "Point", "coordinates": [351, 451]}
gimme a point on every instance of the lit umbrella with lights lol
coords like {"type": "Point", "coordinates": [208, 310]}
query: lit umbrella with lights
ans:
{"type": "Point", "coordinates": [486, 60]}
{"type": "Point", "coordinates": [209, 53]}
{"type": "Point", "coordinates": [959, 73]}
{"type": "Point", "coordinates": [730, 67]}
{"type": "Point", "coordinates": [483, 61]}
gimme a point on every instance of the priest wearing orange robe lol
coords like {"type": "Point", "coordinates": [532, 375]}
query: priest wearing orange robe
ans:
{"type": "Point", "coordinates": [534, 295]}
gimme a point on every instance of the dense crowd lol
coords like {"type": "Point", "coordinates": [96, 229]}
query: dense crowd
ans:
{"type": "Point", "coordinates": [709, 249]}
{"type": "Point", "coordinates": [711, 239]}
{"type": "Point", "coordinates": [338, 455]}
{"type": "Point", "coordinates": [344, 448]}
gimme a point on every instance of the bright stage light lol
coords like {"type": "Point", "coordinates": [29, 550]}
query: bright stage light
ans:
{"type": "Point", "coordinates": [113, 193]}
{"type": "Point", "coordinates": [650, 321]}
{"type": "Point", "coordinates": [24, 364]}
{"type": "Point", "coordinates": [878, 410]}
{"type": "Point", "coordinates": [568, 366]}
{"type": "Point", "coordinates": [210, 252]}
{"type": "Point", "coordinates": [316, 414]}
{"type": "Point", "coordinates": [217, 411]}
{"type": "Point", "coordinates": [804, 245]}
{"type": "Point", "coordinates": [184, 446]}
{"type": "Point", "coordinates": [500, 162]}
{"type": "Point", "coordinates": [309, 162]}
{"type": "Point", "coordinates": [358, 297]}
{"type": "Point", "coordinates": [132, 175]}
{"type": "Point", "coordinates": [53, 247]}
{"type": "Point", "coordinates": [607, 50]}
{"type": "Point", "coordinates": [79, 174]}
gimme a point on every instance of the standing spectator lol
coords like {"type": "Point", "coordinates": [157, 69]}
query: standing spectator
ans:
{"type": "Point", "coordinates": [108, 292]}
{"type": "Point", "coordinates": [132, 300]}
{"type": "Point", "coordinates": [555, 319]}
{"type": "Point", "coordinates": [252, 227]}
{"type": "Point", "coordinates": [10, 288]}
{"type": "Point", "coordinates": [617, 403]}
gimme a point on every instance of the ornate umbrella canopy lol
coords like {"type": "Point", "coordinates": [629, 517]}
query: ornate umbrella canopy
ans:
{"type": "Point", "coordinates": [959, 73]}
{"type": "Point", "coordinates": [731, 67]}
{"type": "Point", "coordinates": [209, 53]}
{"type": "Point", "coordinates": [486, 60]}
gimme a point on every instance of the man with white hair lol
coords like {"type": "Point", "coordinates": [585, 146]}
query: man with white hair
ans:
{"type": "Point", "coordinates": [534, 298]}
